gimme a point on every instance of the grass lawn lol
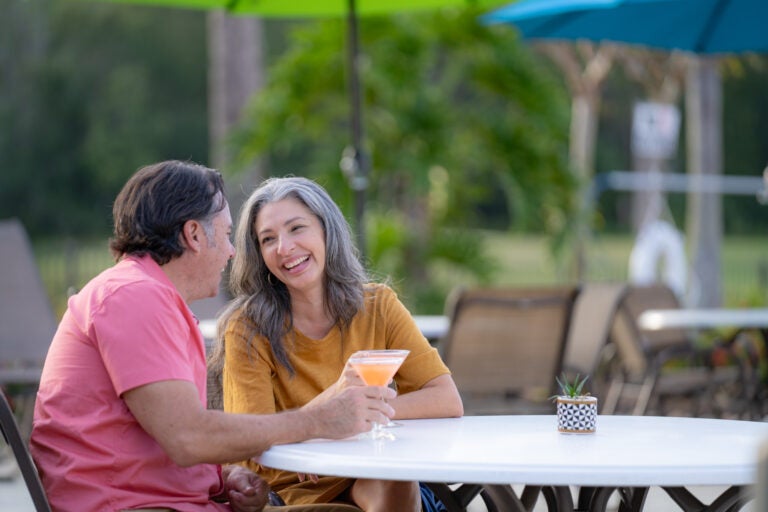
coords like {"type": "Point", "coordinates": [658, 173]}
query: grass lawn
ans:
{"type": "Point", "coordinates": [524, 260]}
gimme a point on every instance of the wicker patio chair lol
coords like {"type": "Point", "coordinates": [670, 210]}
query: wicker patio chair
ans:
{"type": "Point", "coordinates": [27, 319]}
{"type": "Point", "coordinates": [587, 350]}
{"type": "Point", "coordinates": [664, 371]}
{"type": "Point", "coordinates": [505, 346]}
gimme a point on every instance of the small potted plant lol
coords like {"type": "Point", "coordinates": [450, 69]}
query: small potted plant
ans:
{"type": "Point", "coordinates": [576, 411]}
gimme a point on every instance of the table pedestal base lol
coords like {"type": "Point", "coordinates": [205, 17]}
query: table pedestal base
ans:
{"type": "Point", "coordinates": [503, 498]}
{"type": "Point", "coordinates": [595, 499]}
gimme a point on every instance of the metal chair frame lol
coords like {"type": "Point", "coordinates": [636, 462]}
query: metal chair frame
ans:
{"type": "Point", "coordinates": [641, 371]}
{"type": "Point", "coordinates": [12, 435]}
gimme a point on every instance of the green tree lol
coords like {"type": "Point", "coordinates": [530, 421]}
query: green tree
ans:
{"type": "Point", "coordinates": [745, 123]}
{"type": "Point", "coordinates": [465, 129]}
{"type": "Point", "coordinates": [93, 92]}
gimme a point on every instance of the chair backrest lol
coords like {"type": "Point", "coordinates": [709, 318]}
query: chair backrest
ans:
{"type": "Point", "coordinates": [10, 430]}
{"type": "Point", "coordinates": [590, 325]}
{"type": "Point", "coordinates": [635, 346]}
{"type": "Point", "coordinates": [27, 319]}
{"type": "Point", "coordinates": [507, 340]}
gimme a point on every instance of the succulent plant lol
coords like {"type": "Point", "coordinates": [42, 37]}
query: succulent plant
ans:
{"type": "Point", "coordinates": [571, 388]}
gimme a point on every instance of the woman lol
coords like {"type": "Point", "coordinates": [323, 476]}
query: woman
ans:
{"type": "Point", "coordinates": [302, 306]}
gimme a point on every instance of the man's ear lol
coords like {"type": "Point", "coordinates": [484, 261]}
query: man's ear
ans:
{"type": "Point", "coordinates": [191, 235]}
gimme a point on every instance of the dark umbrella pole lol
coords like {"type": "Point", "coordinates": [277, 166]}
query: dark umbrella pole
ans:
{"type": "Point", "coordinates": [356, 165]}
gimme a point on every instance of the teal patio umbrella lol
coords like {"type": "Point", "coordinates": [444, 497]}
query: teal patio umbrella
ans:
{"type": "Point", "coordinates": [698, 26]}
{"type": "Point", "coordinates": [357, 164]}
{"type": "Point", "coordinates": [701, 27]}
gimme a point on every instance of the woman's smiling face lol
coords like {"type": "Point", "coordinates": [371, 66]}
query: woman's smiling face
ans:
{"type": "Point", "coordinates": [292, 242]}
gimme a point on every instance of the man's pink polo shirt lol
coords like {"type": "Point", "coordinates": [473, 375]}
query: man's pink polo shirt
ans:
{"type": "Point", "coordinates": [128, 327]}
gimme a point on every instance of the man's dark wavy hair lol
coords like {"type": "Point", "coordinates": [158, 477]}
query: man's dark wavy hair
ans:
{"type": "Point", "coordinates": [151, 209]}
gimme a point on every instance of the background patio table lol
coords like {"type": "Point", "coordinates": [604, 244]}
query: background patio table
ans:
{"type": "Point", "coordinates": [432, 326]}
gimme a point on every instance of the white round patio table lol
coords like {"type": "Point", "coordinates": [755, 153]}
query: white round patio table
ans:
{"type": "Point", "coordinates": [628, 453]}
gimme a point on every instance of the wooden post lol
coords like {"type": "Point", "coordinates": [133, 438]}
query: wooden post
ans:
{"type": "Point", "coordinates": [235, 73]}
{"type": "Point", "coordinates": [704, 218]}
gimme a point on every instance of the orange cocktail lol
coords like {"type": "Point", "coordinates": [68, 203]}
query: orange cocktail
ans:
{"type": "Point", "coordinates": [377, 373]}
{"type": "Point", "coordinates": [376, 368]}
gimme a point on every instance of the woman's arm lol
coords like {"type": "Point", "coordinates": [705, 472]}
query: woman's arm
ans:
{"type": "Point", "coordinates": [426, 388]}
{"type": "Point", "coordinates": [438, 398]}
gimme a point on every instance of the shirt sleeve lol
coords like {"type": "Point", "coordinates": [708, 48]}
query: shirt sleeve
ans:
{"type": "Point", "coordinates": [248, 372]}
{"type": "Point", "coordinates": [423, 363]}
{"type": "Point", "coordinates": [143, 337]}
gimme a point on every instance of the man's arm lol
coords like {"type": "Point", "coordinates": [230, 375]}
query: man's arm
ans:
{"type": "Point", "coordinates": [171, 413]}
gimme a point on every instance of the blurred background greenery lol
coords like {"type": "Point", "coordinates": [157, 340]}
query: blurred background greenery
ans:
{"type": "Point", "coordinates": [466, 126]}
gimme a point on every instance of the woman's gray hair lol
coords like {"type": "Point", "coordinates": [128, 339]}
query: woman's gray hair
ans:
{"type": "Point", "coordinates": [262, 298]}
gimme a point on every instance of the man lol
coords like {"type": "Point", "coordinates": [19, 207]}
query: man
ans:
{"type": "Point", "coordinates": [120, 419]}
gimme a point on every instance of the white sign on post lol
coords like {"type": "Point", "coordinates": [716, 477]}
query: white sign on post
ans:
{"type": "Point", "coordinates": [655, 130]}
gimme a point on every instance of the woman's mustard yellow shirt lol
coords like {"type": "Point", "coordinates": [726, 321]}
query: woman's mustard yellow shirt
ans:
{"type": "Point", "coordinates": [253, 382]}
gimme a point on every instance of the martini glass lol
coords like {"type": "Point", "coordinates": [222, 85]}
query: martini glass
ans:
{"type": "Point", "coordinates": [376, 368]}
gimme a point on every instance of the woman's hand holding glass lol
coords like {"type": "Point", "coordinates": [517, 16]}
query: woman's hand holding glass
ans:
{"type": "Point", "coordinates": [348, 378]}
{"type": "Point", "coordinates": [377, 368]}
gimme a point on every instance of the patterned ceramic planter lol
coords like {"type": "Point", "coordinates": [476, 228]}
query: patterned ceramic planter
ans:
{"type": "Point", "coordinates": [576, 415]}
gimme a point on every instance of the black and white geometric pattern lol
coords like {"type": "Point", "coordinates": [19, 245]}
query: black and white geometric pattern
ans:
{"type": "Point", "coordinates": [576, 417]}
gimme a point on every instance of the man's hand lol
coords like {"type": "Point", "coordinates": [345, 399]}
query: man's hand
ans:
{"type": "Point", "coordinates": [350, 411]}
{"type": "Point", "coordinates": [247, 492]}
